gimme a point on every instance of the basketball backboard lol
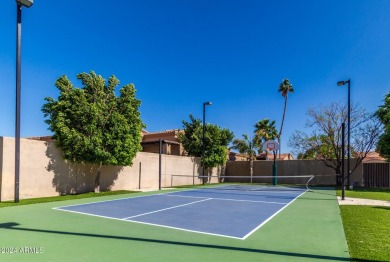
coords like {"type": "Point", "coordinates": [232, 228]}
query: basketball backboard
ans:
{"type": "Point", "coordinates": [271, 145]}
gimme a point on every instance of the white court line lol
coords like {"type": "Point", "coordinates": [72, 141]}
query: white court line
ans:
{"type": "Point", "coordinates": [268, 219]}
{"type": "Point", "coordinates": [228, 199]}
{"type": "Point", "coordinates": [110, 200]}
{"type": "Point", "coordinates": [183, 229]}
{"type": "Point", "coordinates": [156, 211]}
{"type": "Point", "coordinates": [88, 214]}
{"type": "Point", "coordinates": [260, 191]}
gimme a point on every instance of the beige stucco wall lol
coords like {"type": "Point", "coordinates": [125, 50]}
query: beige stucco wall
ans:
{"type": "Point", "coordinates": [323, 175]}
{"type": "Point", "coordinates": [7, 173]}
{"type": "Point", "coordinates": [43, 172]}
{"type": "Point", "coordinates": [1, 164]}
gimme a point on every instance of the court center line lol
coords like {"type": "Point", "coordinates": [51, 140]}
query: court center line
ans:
{"type": "Point", "coordinates": [156, 211]}
{"type": "Point", "coordinates": [228, 199]}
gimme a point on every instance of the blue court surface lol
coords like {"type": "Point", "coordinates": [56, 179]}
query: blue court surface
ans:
{"type": "Point", "coordinates": [228, 213]}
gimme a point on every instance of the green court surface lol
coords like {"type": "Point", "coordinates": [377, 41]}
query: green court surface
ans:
{"type": "Point", "coordinates": [310, 229]}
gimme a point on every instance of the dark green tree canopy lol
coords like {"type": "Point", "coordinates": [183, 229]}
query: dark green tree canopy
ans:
{"type": "Point", "coordinates": [91, 124]}
{"type": "Point", "coordinates": [285, 87]}
{"type": "Point", "coordinates": [383, 114]}
{"type": "Point", "coordinates": [216, 141]}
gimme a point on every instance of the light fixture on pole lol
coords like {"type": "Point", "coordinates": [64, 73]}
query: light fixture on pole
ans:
{"type": "Point", "coordinates": [26, 3]}
{"type": "Point", "coordinates": [20, 4]}
{"type": "Point", "coordinates": [203, 133]}
{"type": "Point", "coordinates": [342, 83]}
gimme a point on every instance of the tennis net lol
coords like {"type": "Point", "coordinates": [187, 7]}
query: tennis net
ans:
{"type": "Point", "coordinates": [246, 183]}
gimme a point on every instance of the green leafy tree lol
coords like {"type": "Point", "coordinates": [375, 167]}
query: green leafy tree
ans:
{"type": "Point", "coordinates": [383, 114]}
{"type": "Point", "coordinates": [216, 142]}
{"type": "Point", "coordinates": [325, 139]}
{"type": "Point", "coordinates": [264, 130]}
{"type": "Point", "coordinates": [92, 125]}
{"type": "Point", "coordinates": [284, 88]}
{"type": "Point", "coordinates": [383, 146]}
{"type": "Point", "coordinates": [247, 147]}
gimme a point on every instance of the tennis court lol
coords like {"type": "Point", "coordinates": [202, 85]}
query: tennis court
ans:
{"type": "Point", "coordinates": [180, 225]}
{"type": "Point", "coordinates": [191, 210]}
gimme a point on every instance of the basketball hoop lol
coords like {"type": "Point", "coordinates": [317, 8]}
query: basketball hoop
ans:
{"type": "Point", "coordinates": [271, 145]}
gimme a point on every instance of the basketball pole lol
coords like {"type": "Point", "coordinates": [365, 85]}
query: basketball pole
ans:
{"type": "Point", "coordinates": [160, 145]}
{"type": "Point", "coordinates": [274, 170]}
{"type": "Point", "coordinates": [273, 146]}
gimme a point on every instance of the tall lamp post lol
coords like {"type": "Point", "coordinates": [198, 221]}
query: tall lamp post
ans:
{"type": "Point", "coordinates": [20, 4]}
{"type": "Point", "coordinates": [203, 133]}
{"type": "Point", "coordinates": [342, 161]}
{"type": "Point", "coordinates": [342, 83]}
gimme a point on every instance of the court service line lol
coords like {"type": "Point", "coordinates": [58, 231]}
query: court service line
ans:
{"type": "Point", "coordinates": [156, 211]}
{"type": "Point", "coordinates": [229, 199]}
{"type": "Point", "coordinates": [88, 214]}
{"type": "Point", "coordinates": [111, 200]}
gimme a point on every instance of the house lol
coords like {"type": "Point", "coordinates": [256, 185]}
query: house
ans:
{"type": "Point", "coordinates": [283, 156]}
{"type": "Point", "coordinates": [233, 156]}
{"type": "Point", "coordinates": [41, 138]}
{"type": "Point", "coordinates": [169, 141]}
{"type": "Point", "coordinates": [374, 157]}
{"type": "Point", "coordinates": [150, 142]}
{"type": "Point", "coordinates": [171, 146]}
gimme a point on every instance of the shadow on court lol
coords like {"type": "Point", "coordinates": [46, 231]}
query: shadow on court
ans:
{"type": "Point", "coordinates": [15, 226]}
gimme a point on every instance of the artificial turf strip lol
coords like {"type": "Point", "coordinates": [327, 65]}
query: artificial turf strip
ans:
{"type": "Point", "coordinates": [62, 198]}
{"type": "Point", "coordinates": [368, 193]}
{"type": "Point", "coordinates": [309, 229]}
{"type": "Point", "coordinates": [367, 229]}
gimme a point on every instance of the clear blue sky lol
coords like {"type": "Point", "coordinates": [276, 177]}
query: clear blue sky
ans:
{"type": "Point", "coordinates": [182, 53]}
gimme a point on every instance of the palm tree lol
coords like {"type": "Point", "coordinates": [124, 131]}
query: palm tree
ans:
{"type": "Point", "coordinates": [264, 130]}
{"type": "Point", "coordinates": [246, 147]}
{"type": "Point", "coordinates": [284, 88]}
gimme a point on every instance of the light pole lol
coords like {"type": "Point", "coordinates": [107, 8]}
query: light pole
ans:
{"type": "Point", "coordinates": [342, 161]}
{"type": "Point", "coordinates": [341, 83]}
{"type": "Point", "coordinates": [204, 130]}
{"type": "Point", "coordinates": [20, 4]}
